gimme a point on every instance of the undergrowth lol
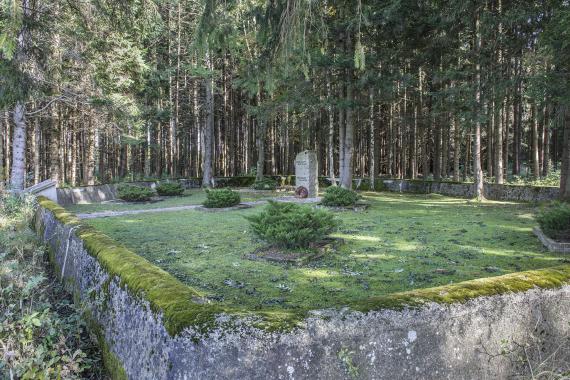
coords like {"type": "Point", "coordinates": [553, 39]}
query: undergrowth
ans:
{"type": "Point", "coordinates": [42, 335]}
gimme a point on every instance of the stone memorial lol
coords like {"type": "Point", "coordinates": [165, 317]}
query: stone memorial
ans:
{"type": "Point", "coordinates": [307, 174]}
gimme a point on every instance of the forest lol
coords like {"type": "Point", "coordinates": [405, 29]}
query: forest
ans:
{"type": "Point", "coordinates": [99, 91]}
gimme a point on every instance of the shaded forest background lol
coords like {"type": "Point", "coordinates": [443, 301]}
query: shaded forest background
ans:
{"type": "Point", "coordinates": [97, 91]}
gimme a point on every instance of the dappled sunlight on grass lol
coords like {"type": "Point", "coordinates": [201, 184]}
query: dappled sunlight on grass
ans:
{"type": "Point", "coordinates": [358, 237]}
{"type": "Point", "coordinates": [399, 243]}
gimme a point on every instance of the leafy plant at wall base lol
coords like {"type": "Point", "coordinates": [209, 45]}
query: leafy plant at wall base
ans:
{"type": "Point", "coordinates": [289, 225]}
{"type": "Point", "coordinates": [132, 193]}
{"type": "Point", "coordinates": [170, 189]}
{"type": "Point", "coordinates": [339, 197]}
{"type": "Point", "coordinates": [219, 198]}
{"type": "Point", "coordinates": [42, 335]}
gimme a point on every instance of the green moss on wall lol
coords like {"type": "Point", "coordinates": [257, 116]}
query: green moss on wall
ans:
{"type": "Point", "coordinates": [459, 293]}
{"type": "Point", "coordinates": [183, 306]}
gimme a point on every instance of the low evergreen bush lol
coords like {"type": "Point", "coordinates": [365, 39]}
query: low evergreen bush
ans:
{"type": "Point", "coordinates": [133, 193]}
{"type": "Point", "coordinates": [337, 196]}
{"type": "Point", "coordinates": [289, 225]}
{"type": "Point", "coordinates": [170, 189]}
{"type": "Point", "coordinates": [265, 184]}
{"type": "Point", "coordinates": [219, 198]}
{"type": "Point", "coordinates": [555, 220]}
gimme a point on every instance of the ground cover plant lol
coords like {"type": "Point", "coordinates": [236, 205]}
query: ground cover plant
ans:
{"type": "Point", "coordinates": [42, 335]}
{"type": "Point", "coordinates": [401, 242]}
{"type": "Point", "coordinates": [554, 220]}
{"type": "Point", "coordinates": [169, 189]}
{"type": "Point", "coordinates": [220, 198]}
{"type": "Point", "coordinates": [336, 196]}
{"type": "Point", "coordinates": [133, 193]}
{"type": "Point", "coordinates": [289, 225]}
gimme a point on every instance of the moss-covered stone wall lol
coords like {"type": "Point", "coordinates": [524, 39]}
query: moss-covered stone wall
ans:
{"type": "Point", "coordinates": [151, 326]}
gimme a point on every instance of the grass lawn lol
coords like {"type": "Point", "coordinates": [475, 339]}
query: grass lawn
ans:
{"type": "Point", "coordinates": [401, 242]}
{"type": "Point", "coordinates": [190, 197]}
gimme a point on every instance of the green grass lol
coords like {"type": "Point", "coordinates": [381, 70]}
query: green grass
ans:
{"type": "Point", "coordinates": [190, 197]}
{"type": "Point", "coordinates": [402, 242]}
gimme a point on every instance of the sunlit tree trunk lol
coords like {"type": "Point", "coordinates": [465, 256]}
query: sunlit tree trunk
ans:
{"type": "Point", "coordinates": [477, 170]}
{"type": "Point", "coordinates": [17, 177]}
{"type": "Point", "coordinates": [207, 166]}
{"type": "Point", "coordinates": [348, 146]}
{"type": "Point", "coordinates": [535, 161]}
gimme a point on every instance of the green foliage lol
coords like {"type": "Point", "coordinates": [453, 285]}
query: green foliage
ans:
{"type": "Point", "coordinates": [132, 193]}
{"type": "Point", "coordinates": [552, 179]}
{"type": "Point", "coordinates": [265, 184]}
{"type": "Point", "coordinates": [555, 220]}
{"type": "Point", "coordinates": [170, 189]}
{"type": "Point", "coordinates": [17, 206]}
{"type": "Point", "coordinates": [337, 196]}
{"type": "Point", "coordinates": [42, 335]}
{"type": "Point", "coordinates": [290, 225]}
{"type": "Point", "coordinates": [219, 198]}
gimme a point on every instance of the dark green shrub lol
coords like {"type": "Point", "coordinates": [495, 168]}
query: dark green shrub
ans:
{"type": "Point", "coordinates": [219, 198]}
{"type": "Point", "coordinates": [337, 196]}
{"type": "Point", "coordinates": [265, 184]}
{"type": "Point", "coordinates": [555, 220]}
{"type": "Point", "coordinates": [170, 189]}
{"type": "Point", "coordinates": [132, 193]}
{"type": "Point", "coordinates": [289, 225]}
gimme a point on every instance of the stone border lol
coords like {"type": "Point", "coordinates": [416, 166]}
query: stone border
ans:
{"type": "Point", "coordinates": [151, 326]}
{"type": "Point", "coordinates": [552, 245]}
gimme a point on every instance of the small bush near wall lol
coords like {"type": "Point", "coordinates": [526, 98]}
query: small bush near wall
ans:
{"type": "Point", "coordinates": [337, 196]}
{"type": "Point", "coordinates": [219, 198]}
{"type": "Point", "coordinates": [265, 184]}
{"type": "Point", "coordinates": [555, 221]}
{"type": "Point", "coordinates": [132, 193]}
{"type": "Point", "coordinates": [42, 334]}
{"type": "Point", "coordinates": [170, 189]}
{"type": "Point", "coordinates": [289, 225]}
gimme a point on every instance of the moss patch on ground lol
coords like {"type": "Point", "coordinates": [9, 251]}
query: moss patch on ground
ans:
{"type": "Point", "coordinates": [190, 197]}
{"type": "Point", "coordinates": [396, 249]}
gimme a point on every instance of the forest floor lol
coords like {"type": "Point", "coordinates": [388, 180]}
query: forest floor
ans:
{"type": "Point", "coordinates": [400, 242]}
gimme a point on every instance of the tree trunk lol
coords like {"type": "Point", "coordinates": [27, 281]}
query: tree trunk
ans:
{"type": "Point", "coordinates": [499, 150]}
{"type": "Point", "coordinates": [3, 132]}
{"type": "Point", "coordinates": [456, 149]}
{"type": "Point", "coordinates": [477, 170]}
{"type": "Point", "coordinates": [565, 173]}
{"type": "Point", "coordinates": [331, 134]}
{"type": "Point", "coordinates": [36, 151]}
{"type": "Point", "coordinates": [347, 162]}
{"type": "Point", "coordinates": [89, 164]}
{"type": "Point", "coordinates": [207, 179]}
{"type": "Point", "coordinates": [17, 177]}
{"type": "Point", "coordinates": [260, 141]}
{"type": "Point", "coordinates": [535, 162]}
{"type": "Point", "coordinates": [372, 157]}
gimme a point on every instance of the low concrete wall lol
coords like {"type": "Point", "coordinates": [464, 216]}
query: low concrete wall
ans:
{"type": "Point", "coordinates": [101, 193]}
{"type": "Point", "coordinates": [430, 341]}
{"type": "Point", "coordinates": [93, 194]}
{"type": "Point", "coordinates": [466, 190]}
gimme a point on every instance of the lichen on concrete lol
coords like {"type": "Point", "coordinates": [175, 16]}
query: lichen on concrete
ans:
{"type": "Point", "coordinates": [451, 332]}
